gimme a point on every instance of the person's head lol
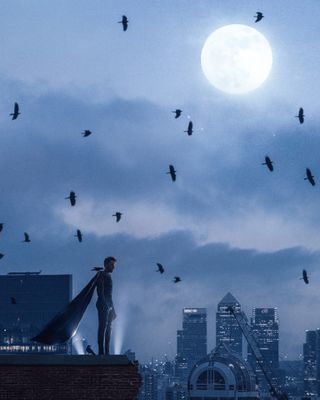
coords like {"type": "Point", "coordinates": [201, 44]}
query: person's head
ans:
{"type": "Point", "coordinates": [109, 263]}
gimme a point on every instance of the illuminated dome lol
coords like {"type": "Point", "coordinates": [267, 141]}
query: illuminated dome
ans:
{"type": "Point", "coordinates": [222, 375]}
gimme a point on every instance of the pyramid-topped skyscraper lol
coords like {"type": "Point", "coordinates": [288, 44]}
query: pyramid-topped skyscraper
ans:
{"type": "Point", "coordinates": [227, 328]}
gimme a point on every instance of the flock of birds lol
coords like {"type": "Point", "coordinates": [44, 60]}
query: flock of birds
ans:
{"type": "Point", "coordinates": [172, 172]}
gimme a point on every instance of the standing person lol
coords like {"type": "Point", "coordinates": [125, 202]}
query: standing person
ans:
{"type": "Point", "coordinates": [106, 313]}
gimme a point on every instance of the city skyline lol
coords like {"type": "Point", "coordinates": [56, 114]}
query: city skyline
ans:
{"type": "Point", "coordinates": [226, 224]}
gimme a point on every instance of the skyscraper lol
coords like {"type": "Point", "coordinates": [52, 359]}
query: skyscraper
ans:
{"type": "Point", "coordinates": [265, 327]}
{"type": "Point", "coordinates": [27, 302]}
{"type": "Point", "coordinates": [227, 328]}
{"type": "Point", "coordinates": [191, 341]}
{"type": "Point", "coordinates": [311, 360]}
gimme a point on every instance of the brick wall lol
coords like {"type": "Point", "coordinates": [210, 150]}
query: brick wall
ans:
{"type": "Point", "coordinates": [68, 378]}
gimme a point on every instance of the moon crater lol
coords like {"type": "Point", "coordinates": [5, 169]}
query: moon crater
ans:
{"type": "Point", "coordinates": [236, 59]}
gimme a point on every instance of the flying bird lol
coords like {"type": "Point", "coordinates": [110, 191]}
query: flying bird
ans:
{"type": "Point", "coordinates": [124, 21]}
{"type": "Point", "coordinates": [86, 133]}
{"type": "Point", "coordinates": [177, 113]}
{"type": "Point", "coordinates": [190, 128]}
{"type": "Point", "coordinates": [1, 226]}
{"type": "Point", "coordinates": [300, 115]}
{"type": "Point", "coordinates": [26, 238]}
{"type": "Point", "coordinates": [89, 350]}
{"type": "Point", "coordinates": [72, 198]}
{"type": "Point", "coordinates": [305, 277]}
{"type": "Point", "coordinates": [160, 268]}
{"type": "Point", "coordinates": [79, 235]}
{"type": "Point", "coordinates": [15, 111]}
{"type": "Point", "coordinates": [172, 173]}
{"type": "Point", "coordinates": [97, 269]}
{"type": "Point", "coordinates": [117, 215]}
{"type": "Point", "coordinates": [13, 300]}
{"type": "Point", "coordinates": [268, 163]}
{"type": "Point", "coordinates": [259, 16]}
{"type": "Point", "coordinates": [176, 279]}
{"type": "Point", "coordinates": [310, 177]}
{"type": "Point", "coordinates": [1, 255]}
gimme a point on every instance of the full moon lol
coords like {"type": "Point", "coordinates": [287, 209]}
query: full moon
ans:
{"type": "Point", "coordinates": [236, 59]}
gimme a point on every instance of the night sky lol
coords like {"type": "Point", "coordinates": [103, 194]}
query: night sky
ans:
{"type": "Point", "coordinates": [226, 224]}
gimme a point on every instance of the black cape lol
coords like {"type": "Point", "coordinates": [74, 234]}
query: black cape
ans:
{"type": "Point", "coordinates": [65, 324]}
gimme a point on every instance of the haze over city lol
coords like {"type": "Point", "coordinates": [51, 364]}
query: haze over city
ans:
{"type": "Point", "coordinates": [227, 224]}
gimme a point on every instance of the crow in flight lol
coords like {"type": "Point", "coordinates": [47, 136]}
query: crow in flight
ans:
{"type": "Point", "coordinates": [124, 21]}
{"type": "Point", "coordinates": [13, 300]}
{"type": "Point", "coordinates": [300, 115]}
{"type": "Point", "coordinates": [117, 215]}
{"type": "Point", "coordinates": [86, 133]}
{"type": "Point", "coordinates": [26, 238]}
{"type": "Point", "coordinates": [79, 235]}
{"type": "Point", "coordinates": [310, 177]}
{"type": "Point", "coordinates": [172, 172]}
{"type": "Point", "coordinates": [305, 277]}
{"type": "Point", "coordinates": [72, 198]}
{"type": "Point", "coordinates": [259, 16]}
{"type": "Point", "coordinates": [177, 113]}
{"type": "Point", "coordinates": [190, 128]}
{"type": "Point", "coordinates": [176, 279]}
{"type": "Point", "coordinates": [160, 268]}
{"type": "Point", "coordinates": [89, 350]}
{"type": "Point", "coordinates": [15, 111]}
{"type": "Point", "coordinates": [268, 163]}
{"type": "Point", "coordinates": [97, 269]}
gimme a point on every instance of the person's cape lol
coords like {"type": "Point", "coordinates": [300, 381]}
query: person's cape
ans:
{"type": "Point", "coordinates": [65, 324]}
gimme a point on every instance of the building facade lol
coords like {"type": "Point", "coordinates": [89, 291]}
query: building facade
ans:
{"type": "Point", "coordinates": [311, 361]}
{"type": "Point", "coordinates": [265, 327]}
{"type": "Point", "coordinates": [228, 331]}
{"type": "Point", "coordinates": [28, 301]}
{"type": "Point", "coordinates": [222, 375]}
{"type": "Point", "coordinates": [191, 341]}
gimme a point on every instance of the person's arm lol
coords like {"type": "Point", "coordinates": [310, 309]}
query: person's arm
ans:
{"type": "Point", "coordinates": [100, 288]}
{"type": "Point", "coordinates": [108, 291]}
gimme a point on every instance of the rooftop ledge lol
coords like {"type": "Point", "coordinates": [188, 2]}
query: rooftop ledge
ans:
{"type": "Point", "coordinates": [55, 359]}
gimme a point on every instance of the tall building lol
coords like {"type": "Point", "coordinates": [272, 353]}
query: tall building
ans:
{"type": "Point", "coordinates": [191, 341]}
{"type": "Point", "coordinates": [311, 360]}
{"type": "Point", "coordinates": [149, 387]}
{"type": "Point", "coordinates": [265, 327]}
{"type": "Point", "coordinates": [228, 331]}
{"type": "Point", "coordinates": [27, 302]}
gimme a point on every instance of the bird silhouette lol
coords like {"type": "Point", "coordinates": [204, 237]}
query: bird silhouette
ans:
{"type": "Point", "coordinates": [300, 115]}
{"type": "Point", "coordinates": [176, 279]}
{"type": "Point", "coordinates": [1, 255]}
{"type": "Point", "coordinates": [79, 235]}
{"type": "Point", "coordinates": [310, 177]}
{"type": "Point", "coordinates": [177, 113]}
{"type": "Point", "coordinates": [86, 133]}
{"type": "Point", "coordinates": [172, 173]}
{"type": "Point", "coordinates": [259, 16]}
{"type": "Point", "coordinates": [13, 300]}
{"type": "Point", "coordinates": [190, 128]}
{"type": "Point", "coordinates": [15, 111]}
{"type": "Point", "coordinates": [124, 21]}
{"type": "Point", "coordinates": [1, 226]}
{"type": "Point", "coordinates": [89, 350]}
{"type": "Point", "coordinates": [26, 238]}
{"type": "Point", "coordinates": [97, 269]}
{"type": "Point", "coordinates": [160, 268]}
{"type": "Point", "coordinates": [305, 277]}
{"type": "Point", "coordinates": [72, 197]}
{"type": "Point", "coordinates": [268, 163]}
{"type": "Point", "coordinates": [117, 215]}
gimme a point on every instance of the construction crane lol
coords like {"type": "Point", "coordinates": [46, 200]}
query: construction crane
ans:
{"type": "Point", "coordinates": [242, 321]}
